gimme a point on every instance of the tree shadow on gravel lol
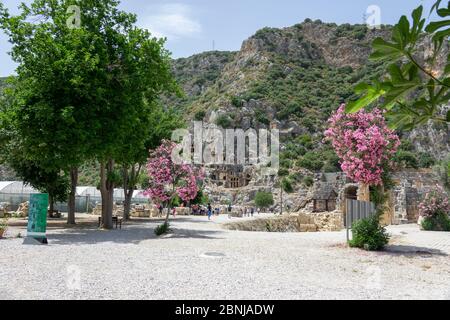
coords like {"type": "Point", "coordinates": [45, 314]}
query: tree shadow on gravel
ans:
{"type": "Point", "coordinates": [130, 235]}
{"type": "Point", "coordinates": [410, 251]}
{"type": "Point", "coordinates": [177, 233]}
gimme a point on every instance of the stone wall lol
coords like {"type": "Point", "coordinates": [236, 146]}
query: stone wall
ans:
{"type": "Point", "coordinates": [410, 189]}
{"type": "Point", "coordinates": [300, 222]}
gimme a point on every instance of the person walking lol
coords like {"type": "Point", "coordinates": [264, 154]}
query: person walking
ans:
{"type": "Point", "coordinates": [252, 211]}
{"type": "Point", "coordinates": [209, 211]}
{"type": "Point", "coordinates": [229, 211]}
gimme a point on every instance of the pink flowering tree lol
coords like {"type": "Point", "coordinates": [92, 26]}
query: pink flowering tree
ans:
{"type": "Point", "coordinates": [168, 179]}
{"type": "Point", "coordinates": [435, 210]}
{"type": "Point", "coordinates": [364, 144]}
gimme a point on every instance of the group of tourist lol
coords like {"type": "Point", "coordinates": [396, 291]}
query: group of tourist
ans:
{"type": "Point", "coordinates": [209, 211]}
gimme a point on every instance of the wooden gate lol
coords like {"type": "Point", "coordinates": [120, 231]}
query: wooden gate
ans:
{"type": "Point", "coordinates": [357, 210]}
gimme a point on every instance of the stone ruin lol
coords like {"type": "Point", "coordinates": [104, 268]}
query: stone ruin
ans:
{"type": "Point", "coordinates": [299, 222]}
{"type": "Point", "coordinates": [329, 193]}
{"type": "Point", "coordinates": [22, 211]}
{"type": "Point", "coordinates": [141, 211]}
{"type": "Point", "coordinates": [230, 177]}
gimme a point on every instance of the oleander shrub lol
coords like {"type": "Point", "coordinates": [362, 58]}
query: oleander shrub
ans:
{"type": "Point", "coordinates": [435, 211]}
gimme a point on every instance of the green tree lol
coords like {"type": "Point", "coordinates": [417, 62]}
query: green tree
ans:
{"type": "Point", "coordinates": [264, 199]}
{"type": "Point", "coordinates": [83, 93]}
{"type": "Point", "coordinates": [412, 91]}
{"type": "Point", "coordinates": [51, 181]}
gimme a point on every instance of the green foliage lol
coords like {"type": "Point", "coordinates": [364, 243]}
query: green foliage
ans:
{"type": "Point", "coordinates": [311, 161]}
{"type": "Point", "coordinates": [86, 93]}
{"type": "Point", "coordinates": [162, 229]}
{"type": "Point", "coordinates": [236, 101]}
{"type": "Point", "coordinates": [224, 121]}
{"type": "Point", "coordinates": [199, 115]}
{"type": "Point", "coordinates": [426, 160]}
{"type": "Point", "coordinates": [368, 234]}
{"type": "Point", "coordinates": [283, 172]}
{"type": "Point", "coordinates": [308, 181]}
{"type": "Point", "coordinates": [349, 31]}
{"type": "Point", "coordinates": [286, 185]}
{"type": "Point", "coordinates": [439, 222]}
{"type": "Point", "coordinates": [264, 199]}
{"type": "Point", "coordinates": [202, 198]}
{"type": "Point", "coordinates": [442, 170]}
{"type": "Point", "coordinates": [406, 159]}
{"type": "Point", "coordinates": [406, 74]}
{"type": "Point", "coordinates": [261, 117]}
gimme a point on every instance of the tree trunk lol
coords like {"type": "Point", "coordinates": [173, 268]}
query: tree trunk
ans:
{"type": "Point", "coordinates": [107, 192]}
{"type": "Point", "coordinates": [168, 214]}
{"type": "Point", "coordinates": [126, 204]}
{"type": "Point", "coordinates": [73, 192]}
{"type": "Point", "coordinates": [129, 186]}
{"type": "Point", "coordinates": [50, 202]}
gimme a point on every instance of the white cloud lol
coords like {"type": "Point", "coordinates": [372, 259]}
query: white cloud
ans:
{"type": "Point", "coordinates": [173, 21]}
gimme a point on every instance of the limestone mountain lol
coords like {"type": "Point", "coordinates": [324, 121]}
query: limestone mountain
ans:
{"type": "Point", "coordinates": [293, 77]}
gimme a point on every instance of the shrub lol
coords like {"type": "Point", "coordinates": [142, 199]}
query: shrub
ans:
{"type": "Point", "coordinates": [261, 117]}
{"type": "Point", "coordinates": [287, 186]}
{"type": "Point", "coordinates": [369, 235]}
{"type": "Point", "coordinates": [236, 101]}
{"type": "Point", "coordinates": [200, 115]}
{"type": "Point", "coordinates": [426, 160]}
{"type": "Point", "coordinates": [440, 222]}
{"type": "Point", "coordinates": [283, 172]}
{"type": "Point", "coordinates": [406, 159]}
{"type": "Point", "coordinates": [263, 199]}
{"type": "Point", "coordinates": [162, 229]}
{"type": "Point", "coordinates": [223, 121]}
{"type": "Point", "coordinates": [435, 210]}
{"type": "Point", "coordinates": [311, 161]}
{"type": "Point", "coordinates": [308, 181]}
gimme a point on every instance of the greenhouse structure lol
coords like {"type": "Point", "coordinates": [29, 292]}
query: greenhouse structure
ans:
{"type": "Point", "coordinates": [16, 192]}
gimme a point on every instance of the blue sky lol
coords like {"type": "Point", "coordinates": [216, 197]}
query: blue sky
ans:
{"type": "Point", "coordinates": [192, 26]}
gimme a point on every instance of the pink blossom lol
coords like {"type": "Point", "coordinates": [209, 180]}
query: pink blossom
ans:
{"type": "Point", "coordinates": [363, 142]}
{"type": "Point", "coordinates": [435, 202]}
{"type": "Point", "coordinates": [168, 179]}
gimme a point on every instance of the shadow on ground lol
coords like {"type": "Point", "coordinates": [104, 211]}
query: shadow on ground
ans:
{"type": "Point", "coordinates": [127, 235]}
{"type": "Point", "coordinates": [413, 250]}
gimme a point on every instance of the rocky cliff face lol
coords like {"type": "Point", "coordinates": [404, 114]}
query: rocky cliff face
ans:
{"type": "Point", "coordinates": [293, 77]}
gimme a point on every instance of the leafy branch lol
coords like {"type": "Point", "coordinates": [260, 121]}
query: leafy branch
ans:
{"type": "Point", "coordinates": [412, 92]}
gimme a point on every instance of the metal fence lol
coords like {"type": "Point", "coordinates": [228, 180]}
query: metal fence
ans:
{"type": "Point", "coordinates": [82, 203]}
{"type": "Point", "coordinates": [357, 210]}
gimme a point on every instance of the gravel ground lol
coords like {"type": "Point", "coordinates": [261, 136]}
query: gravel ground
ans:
{"type": "Point", "coordinates": [200, 260]}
